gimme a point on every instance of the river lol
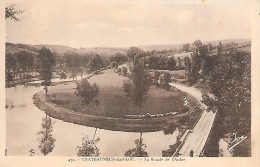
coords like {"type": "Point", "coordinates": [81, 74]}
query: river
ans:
{"type": "Point", "coordinates": [23, 122]}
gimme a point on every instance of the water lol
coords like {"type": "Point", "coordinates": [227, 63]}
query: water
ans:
{"type": "Point", "coordinates": [23, 122]}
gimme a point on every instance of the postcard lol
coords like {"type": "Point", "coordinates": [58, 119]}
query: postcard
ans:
{"type": "Point", "coordinates": [130, 83]}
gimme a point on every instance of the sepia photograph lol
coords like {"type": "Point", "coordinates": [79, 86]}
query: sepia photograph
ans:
{"type": "Point", "coordinates": [128, 79]}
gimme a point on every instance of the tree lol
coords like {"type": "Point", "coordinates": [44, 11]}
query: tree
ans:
{"type": "Point", "coordinates": [118, 58]}
{"type": "Point", "coordinates": [85, 61]}
{"type": "Point", "coordinates": [88, 92]}
{"type": "Point", "coordinates": [186, 47]}
{"type": "Point", "coordinates": [141, 82]}
{"type": "Point", "coordinates": [47, 141]}
{"type": "Point", "coordinates": [88, 148]}
{"type": "Point", "coordinates": [156, 75]}
{"type": "Point", "coordinates": [73, 63]}
{"type": "Point", "coordinates": [63, 75]}
{"type": "Point", "coordinates": [167, 77]}
{"type": "Point", "coordinates": [11, 13]}
{"type": "Point", "coordinates": [162, 63]}
{"type": "Point", "coordinates": [170, 63]}
{"type": "Point", "coordinates": [139, 150]}
{"type": "Point", "coordinates": [25, 61]}
{"type": "Point", "coordinates": [124, 71]}
{"type": "Point", "coordinates": [198, 63]}
{"type": "Point", "coordinates": [133, 53]}
{"type": "Point", "coordinates": [165, 85]}
{"type": "Point", "coordinates": [96, 62]}
{"type": "Point", "coordinates": [47, 62]}
{"type": "Point", "coordinates": [219, 48]}
{"type": "Point", "coordinates": [10, 66]}
{"type": "Point", "coordinates": [230, 83]}
{"type": "Point", "coordinates": [197, 43]}
{"type": "Point", "coordinates": [153, 62]}
{"type": "Point", "coordinates": [127, 86]}
{"type": "Point", "coordinates": [210, 48]}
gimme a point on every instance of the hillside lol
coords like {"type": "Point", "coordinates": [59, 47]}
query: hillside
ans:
{"type": "Point", "coordinates": [60, 49]}
{"type": "Point", "coordinates": [106, 51]}
{"type": "Point", "coordinates": [178, 46]}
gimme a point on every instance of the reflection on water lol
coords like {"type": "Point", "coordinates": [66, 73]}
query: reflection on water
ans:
{"type": "Point", "coordinates": [47, 140]}
{"type": "Point", "coordinates": [89, 147]}
{"type": "Point", "coordinates": [139, 150]}
{"type": "Point", "coordinates": [23, 124]}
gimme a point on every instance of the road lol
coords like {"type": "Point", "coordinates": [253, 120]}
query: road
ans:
{"type": "Point", "coordinates": [196, 139]}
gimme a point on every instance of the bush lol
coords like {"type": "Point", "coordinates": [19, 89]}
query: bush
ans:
{"type": "Point", "coordinates": [127, 86]}
{"type": "Point", "coordinates": [167, 77]}
{"type": "Point", "coordinates": [119, 70]}
{"type": "Point", "coordinates": [166, 86]}
{"type": "Point", "coordinates": [124, 70]}
{"type": "Point", "coordinates": [156, 75]}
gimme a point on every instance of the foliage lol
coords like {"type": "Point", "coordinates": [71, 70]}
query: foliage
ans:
{"type": "Point", "coordinates": [63, 75]}
{"type": "Point", "coordinates": [219, 48]}
{"type": "Point", "coordinates": [161, 63]}
{"type": "Point", "coordinates": [141, 82]}
{"type": "Point", "coordinates": [88, 92]}
{"type": "Point", "coordinates": [186, 47]}
{"type": "Point", "coordinates": [230, 83]}
{"type": "Point", "coordinates": [210, 48]}
{"type": "Point", "coordinates": [197, 43]}
{"type": "Point", "coordinates": [73, 63]}
{"type": "Point", "coordinates": [124, 71]}
{"type": "Point", "coordinates": [47, 62]}
{"type": "Point", "coordinates": [167, 77]}
{"type": "Point", "coordinates": [170, 63]}
{"type": "Point", "coordinates": [47, 141]}
{"type": "Point", "coordinates": [127, 86]}
{"type": "Point", "coordinates": [118, 58]}
{"type": "Point", "coordinates": [156, 75]}
{"type": "Point", "coordinates": [10, 65]}
{"type": "Point", "coordinates": [11, 13]}
{"type": "Point", "coordinates": [133, 53]}
{"type": "Point", "coordinates": [137, 152]}
{"type": "Point", "coordinates": [165, 86]}
{"type": "Point", "coordinates": [198, 65]}
{"type": "Point", "coordinates": [171, 127]}
{"type": "Point", "coordinates": [89, 147]}
{"type": "Point", "coordinates": [25, 60]}
{"type": "Point", "coordinates": [96, 62]}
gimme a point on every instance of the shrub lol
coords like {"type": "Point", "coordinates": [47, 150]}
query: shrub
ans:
{"type": "Point", "coordinates": [127, 86]}
{"type": "Point", "coordinates": [166, 86]}
{"type": "Point", "coordinates": [167, 77]}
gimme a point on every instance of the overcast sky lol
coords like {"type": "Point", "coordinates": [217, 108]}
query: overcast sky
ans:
{"type": "Point", "coordinates": [118, 24]}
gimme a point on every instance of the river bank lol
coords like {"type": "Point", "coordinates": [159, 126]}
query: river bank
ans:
{"type": "Point", "coordinates": [24, 121]}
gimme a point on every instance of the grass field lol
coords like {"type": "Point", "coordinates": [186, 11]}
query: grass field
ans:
{"type": "Point", "coordinates": [113, 100]}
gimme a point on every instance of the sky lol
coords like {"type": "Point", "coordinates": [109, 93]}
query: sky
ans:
{"type": "Point", "coordinates": [117, 23]}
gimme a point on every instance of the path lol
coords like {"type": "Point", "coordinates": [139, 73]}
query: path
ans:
{"type": "Point", "coordinates": [197, 138]}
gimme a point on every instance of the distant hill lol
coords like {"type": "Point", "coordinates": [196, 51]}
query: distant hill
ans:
{"type": "Point", "coordinates": [104, 51]}
{"type": "Point", "coordinates": [60, 49]}
{"type": "Point", "coordinates": [159, 47]}
{"type": "Point", "coordinates": [178, 46]}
